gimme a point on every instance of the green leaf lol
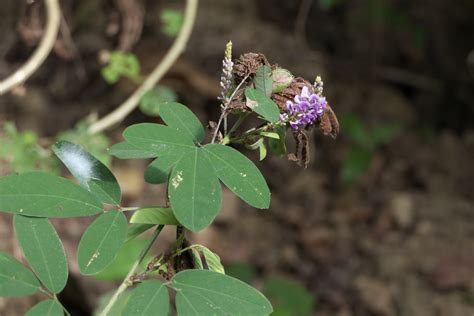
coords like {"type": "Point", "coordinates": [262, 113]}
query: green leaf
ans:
{"type": "Point", "coordinates": [46, 308]}
{"type": "Point", "coordinates": [149, 298]}
{"type": "Point", "coordinates": [126, 150]}
{"type": "Point", "coordinates": [43, 250]}
{"type": "Point", "coordinates": [182, 119]}
{"type": "Point", "coordinates": [121, 64]}
{"type": "Point", "coordinates": [158, 216]}
{"type": "Point", "coordinates": [258, 102]}
{"type": "Point", "coordinates": [151, 101]}
{"type": "Point", "coordinates": [91, 173]}
{"type": "Point", "coordinates": [101, 242]}
{"type": "Point", "coordinates": [262, 151]}
{"type": "Point", "coordinates": [159, 170]}
{"type": "Point", "coordinates": [125, 259]}
{"type": "Point", "coordinates": [263, 80]}
{"type": "Point", "coordinates": [270, 135]}
{"type": "Point", "coordinates": [278, 146]}
{"type": "Point", "coordinates": [212, 260]}
{"type": "Point", "coordinates": [118, 306]}
{"type": "Point", "coordinates": [159, 139]}
{"type": "Point", "coordinates": [194, 191]}
{"type": "Point", "coordinates": [135, 230]}
{"type": "Point", "coordinates": [289, 297]}
{"type": "Point", "coordinates": [172, 21]}
{"type": "Point", "coordinates": [204, 292]}
{"type": "Point", "coordinates": [45, 195]}
{"type": "Point", "coordinates": [239, 174]}
{"type": "Point", "coordinates": [15, 278]}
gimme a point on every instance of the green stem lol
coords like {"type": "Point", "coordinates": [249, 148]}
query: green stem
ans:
{"type": "Point", "coordinates": [59, 302]}
{"type": "Point", "coordinates": [240, 120]}
{"type": "Point", "coordinates": [125, 282]}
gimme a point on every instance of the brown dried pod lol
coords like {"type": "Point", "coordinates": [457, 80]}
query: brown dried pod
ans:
{"type": "Point", "coordinates": [301, 154]}
{"type": "Point", "coordinates": [329, 124]}
{"type": "Point", "coordinates": [247, 65]}
{"type": "Point", "coordinates": [289, 93]}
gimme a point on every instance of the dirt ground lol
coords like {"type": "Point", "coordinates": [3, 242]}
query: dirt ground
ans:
{"type": "Point", "coordinates": [397, 241]}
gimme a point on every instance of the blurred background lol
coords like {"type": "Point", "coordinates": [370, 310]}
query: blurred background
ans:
{"type": "Point", "coordinates": [382, 220]}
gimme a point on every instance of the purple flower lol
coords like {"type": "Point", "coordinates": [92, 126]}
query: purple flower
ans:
{"type": "Point", "coordinates": [304, 110]}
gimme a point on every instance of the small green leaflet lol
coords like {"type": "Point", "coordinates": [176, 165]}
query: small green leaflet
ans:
{"type": "Point", "coordinates": [44, 195]}
{"type": "Point", "coordinates": [91, 173]}
{"type": "Point", "coordinates": [126, 150]}
{"type": "Point", "coordinates": [46, 308]}
{"type": "Point", "coordinates": [159, 170]}
{"type": "Point", "coordinates": [158, 216]}
{"type": "Point", "coordinates": [151, 101]}
{"type": "Point", "coordinates": [181, 118]}
{"type": "Point", "coordinates": [212, 260]}
{"type": "Point", "coordinates": [204, 292]}
{"type": "Point", "coordinates": [263, 80]}
{"type": "Point", "coordinates": [149, 298]}
{"type": "Point", "coordinates": [239, 174]}
{"type": "Point", "coordinates": [101, 242]}
{"type": "Point", "coordinates": [194, 191]}
{"type": "Point", "coordinates": [15, 278]}
{"type": "Point", "coordinates": [278, 146]}
{"type": "Point", "coordinates": [159, 139]}
{"type": "Point", "coordinates": [258, 102]}
{"type": "Point", "coordinates": [172, 21]}
{"type": "Point", "coordinates": [43, 250]}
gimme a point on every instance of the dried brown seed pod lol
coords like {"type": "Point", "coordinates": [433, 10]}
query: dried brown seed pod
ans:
{"type": "Point", "coordinates": [247, 65]}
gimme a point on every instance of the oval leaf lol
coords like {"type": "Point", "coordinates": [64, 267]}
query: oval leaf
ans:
{"type": "Point", "coordinates": [239, 174]}
{"type": "Point", "coordinates": [159, 170]}
{"type": "Point", "coordinates": [101, 242]}
{"type": "Point", "coordinates": [204, 292]}
{"type": "Point", "coordinates": [258, 102]}
{"type": "Point", "coordinates": [194, 191]}
{"type": "Point", "coordinates": [126, 150]}
{"type": "Point", "coordinates": [147, 299]}
{"type": "Point", "coordinates": [151, 101]}
{"type": "Point", "coordinates": [91, 173]}
{"type": "Point", "coordinates": [46, 308]}
{"type": "Point", "coordinates": [156, 138]}
{"type": "Point", "coordinates": [182, 119]}
{"type": "Point", "coordinates": [45, 195]}
{"type": "Point", "coordinates": [263, 80]}
{"type": "Point", "coordinates": [43, 250]}
{"type": "Point", "coordinates": [159, 216]}
{"type": "Point", "coordinates": [15, 278]}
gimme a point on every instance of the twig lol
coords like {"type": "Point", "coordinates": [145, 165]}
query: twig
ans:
{"type": "Point", "coordinates": [125, 282]}
{"type": "Point", "coordinates": [226, 106]}
{"type": "Point", "coordinates": [178, 47]}
{"type": "Point", "coordinates": [53, 13]}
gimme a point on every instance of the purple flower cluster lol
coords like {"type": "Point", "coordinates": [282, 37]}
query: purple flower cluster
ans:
{"type": "Point", "coordinates": [304, 110]}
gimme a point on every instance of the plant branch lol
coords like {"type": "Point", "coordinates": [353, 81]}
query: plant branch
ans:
{"type": "Point", "coordinates": [226, 106]}
{"type": "Point", "coordinates": [171, 56]}
{"type": "Point", "coordinates": [53, 13]}
{"type": "Point", "coordinates": [131, 272]}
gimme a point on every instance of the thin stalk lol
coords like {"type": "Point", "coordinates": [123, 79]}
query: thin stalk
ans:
{"type": "Point", "coordinates": [125, 282]}
{"type": "Point", "coordinates": [53, 18]}
{"type": "Point", "coordinates": [176, 49]}
{"type": "Point", "coordinates": [226, 106]}
{"type": "Point", "coordinates": [64, 308]}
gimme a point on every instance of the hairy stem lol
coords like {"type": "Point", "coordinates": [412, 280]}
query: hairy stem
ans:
{"type": "Point", "coordinates": [176, 49]}
{"type": "Point", "coordinates": [224, 109]}
{"type": "Point", "coordinates": [53, 13]}
{"type": "Point", "coordinates": [131, 272]}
